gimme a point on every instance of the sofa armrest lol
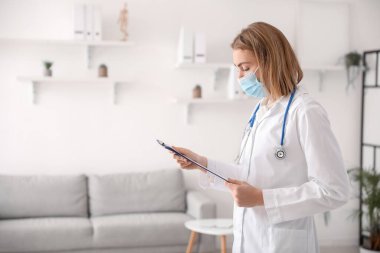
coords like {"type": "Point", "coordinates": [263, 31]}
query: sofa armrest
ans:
{"type": "Point", "coordinates": [200, 206]}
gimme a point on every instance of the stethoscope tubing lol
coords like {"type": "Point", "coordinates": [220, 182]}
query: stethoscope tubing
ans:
{"type": "Point", "coordinates": [252, 121]}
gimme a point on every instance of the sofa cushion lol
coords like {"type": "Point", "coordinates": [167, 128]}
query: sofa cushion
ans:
{"type": "Point", "coordinates": [157, 191]}
{"type": "Point", "coordinates": [45, 234]}
{"type": "Point", "coordinates": [140, 230]}
{"type": "Point", "coordinates": [43, 196]}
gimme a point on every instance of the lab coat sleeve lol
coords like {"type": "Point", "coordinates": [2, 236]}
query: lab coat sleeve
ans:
{"type": "Point", "coordinates": [328, 185]}
{"type": "Point", "coordinates": [208, 180]}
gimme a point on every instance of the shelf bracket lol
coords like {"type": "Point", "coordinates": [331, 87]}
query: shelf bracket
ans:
{"type": "Point", "coordinates": [321, 79]}
{"type": "Point", "coordinates": [88, 56]}
{"type": "Point", "coordinates": [114, 92]}
{"type": "Point", "coordinates": [187, 110]}
{"type": "Point", "coordinates": [214, 78]}
{"type": "Point", "coordinates": [33, 92]}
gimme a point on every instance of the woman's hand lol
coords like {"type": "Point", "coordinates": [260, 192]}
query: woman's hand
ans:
{"type": "Point", "coordinates": [186, 164]}
{"type": "Point", "coordinates": [244, 194]}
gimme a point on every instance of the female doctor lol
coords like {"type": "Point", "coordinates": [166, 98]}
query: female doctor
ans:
{"type": "Point", "coordinates": [290, 166]}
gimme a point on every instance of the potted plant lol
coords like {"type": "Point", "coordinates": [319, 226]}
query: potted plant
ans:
{"type": "Point", "coordinates": [47, 70]}
{"type": "Point", "coordinates": [370, 183]}
{"type": "Point", "coordinates": [352, 61]}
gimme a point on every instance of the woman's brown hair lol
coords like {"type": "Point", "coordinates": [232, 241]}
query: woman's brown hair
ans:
{"type": "Point", "coordinates": [278, 64]}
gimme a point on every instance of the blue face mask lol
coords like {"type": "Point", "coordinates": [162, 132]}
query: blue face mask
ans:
{"type": "Point", "coordinates": [251, 86]}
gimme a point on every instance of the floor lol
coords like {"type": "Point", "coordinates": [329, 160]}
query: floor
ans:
{"type": "Point", "coordinates": [347, 249]}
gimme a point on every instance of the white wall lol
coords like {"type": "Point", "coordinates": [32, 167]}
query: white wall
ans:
{"type": "Point", "coordinates": [76, 129]}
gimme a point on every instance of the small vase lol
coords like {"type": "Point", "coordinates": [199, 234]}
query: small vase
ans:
{"type": "Point", "coordinates": [48, 72]}
{"type": "Point", "coordinates": [102, 71]}
{"type": "Point", "coordinates": [197, 91]}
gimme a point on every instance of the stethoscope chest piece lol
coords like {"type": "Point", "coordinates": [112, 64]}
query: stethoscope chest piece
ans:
{"type": "Point", "coordinates": [280, 154]}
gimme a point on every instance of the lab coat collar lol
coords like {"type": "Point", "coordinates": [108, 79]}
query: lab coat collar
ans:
{"type": "Point", "coordinates": [282, 101]}
{"type": "Point", "coordinates": [285, 99]}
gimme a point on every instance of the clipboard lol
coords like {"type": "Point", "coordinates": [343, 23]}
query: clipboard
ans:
{"type": "Point", "coordinates": [189, 159]}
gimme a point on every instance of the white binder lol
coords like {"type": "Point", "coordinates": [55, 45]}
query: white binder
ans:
{"type": "Point", "coordinates": [79, 21]}
{"type": "Point", "coordinates": [97, 23]}
{"type": "Point", "coordinates": [87, 22]}
{"type": "Point", "coordinates": [200, 48]}
{"type": "Point", "coordinates": [185, 46]}
{"type": "Point", "coordinates": [88, 25]}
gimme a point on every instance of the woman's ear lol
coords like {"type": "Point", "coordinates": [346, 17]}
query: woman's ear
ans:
{"type": "Point", "coordinates": [258, 74]}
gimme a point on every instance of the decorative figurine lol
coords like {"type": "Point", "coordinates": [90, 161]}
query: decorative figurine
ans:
{"type": "Point", "coordinates": [122, 21]}
{"type": "Point", "coordinates": [103, 71]}
{"type": "Point", "coordinates": [47, 70]}
{"type": "Point", "coordinates": [197, 91]}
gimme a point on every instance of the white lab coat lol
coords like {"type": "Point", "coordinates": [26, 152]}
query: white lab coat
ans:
{"type": "Point", "coordinates": [311, 179]}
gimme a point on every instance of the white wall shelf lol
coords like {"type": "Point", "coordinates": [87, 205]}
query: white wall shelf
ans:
{"type": "Point", "coordinates": [209, 100]}
{"type": "Point", "coordinates": [70, 42]}
{"type": "Point", "coordinates": [215, 67]}
{"type": "Point", "coordinates": [322, 70]}
{"type": "Point", "coordinates": [35, 80]}
{"type": "Point", "coordinates": [87, 44]}
{"type": "Point", "coordinates": [188, 103]}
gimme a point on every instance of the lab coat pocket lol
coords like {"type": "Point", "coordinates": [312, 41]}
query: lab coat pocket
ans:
{"type": "Point", "coordinates": [285, 240]}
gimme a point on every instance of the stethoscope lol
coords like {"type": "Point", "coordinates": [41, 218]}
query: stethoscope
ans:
{"type": "Point", "coordinates": [279, 153]}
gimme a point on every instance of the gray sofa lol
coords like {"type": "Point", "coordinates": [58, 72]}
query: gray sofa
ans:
{"type": "Point", "coordinates": [132, 212]}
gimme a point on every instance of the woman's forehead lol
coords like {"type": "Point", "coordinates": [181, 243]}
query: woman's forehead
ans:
{"type": "Point", "coordinates": [240, 56]}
